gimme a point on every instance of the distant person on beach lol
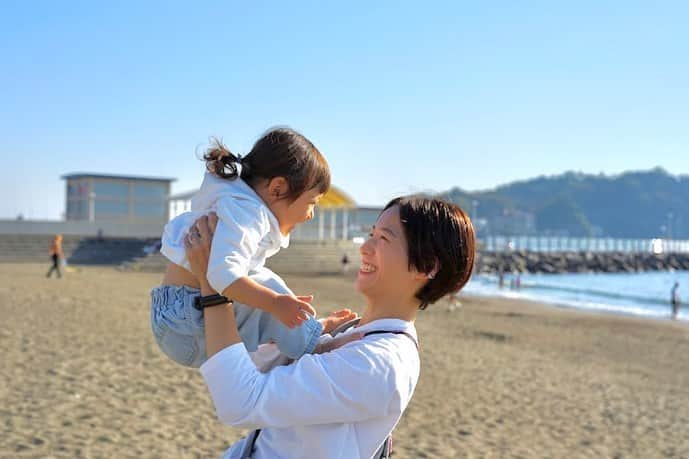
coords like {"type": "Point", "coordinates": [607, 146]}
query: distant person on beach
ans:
{"type": "Point", "coordinates": [56, 255]}
{"type": "Point", "coordinates": [259, 199]}
{"type": "Point", "coordinates": [345, 264]}
{"type": "Point", "coordinates": [344, 403]}
{"type": "Point", "coordinates": [675, 300]}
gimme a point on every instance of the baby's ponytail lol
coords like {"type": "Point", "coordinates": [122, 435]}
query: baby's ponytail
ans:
{"type": "Point", "coordinates": [280, 152]}
{"type": "Point", "coordinates": [221, 161]}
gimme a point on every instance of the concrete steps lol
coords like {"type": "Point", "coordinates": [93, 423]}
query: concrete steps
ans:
{"type": "Point", "coordinates": [29, 248]}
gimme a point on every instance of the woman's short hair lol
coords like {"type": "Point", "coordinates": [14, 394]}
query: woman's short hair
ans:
{"type": "Point", "coordinates": [440, 239]}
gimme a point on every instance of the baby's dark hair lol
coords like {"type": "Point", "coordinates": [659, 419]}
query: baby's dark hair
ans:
{"type": "Point", "coordinates": [440, 237]}
{"type": "Point", "coordinates": [280, 152]}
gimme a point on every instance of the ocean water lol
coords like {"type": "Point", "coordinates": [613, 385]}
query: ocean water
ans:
{"type": "Point", "coordinates": [638, 294]}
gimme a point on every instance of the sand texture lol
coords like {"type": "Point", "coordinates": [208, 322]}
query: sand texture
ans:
{"type": "Point", "coordinates": [81, 377]}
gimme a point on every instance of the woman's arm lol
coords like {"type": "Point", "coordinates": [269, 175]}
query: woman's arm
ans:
{"type": "Point", "coordinates": [219, 321]}
{"type": "Point", "coordinates": [368, 379]}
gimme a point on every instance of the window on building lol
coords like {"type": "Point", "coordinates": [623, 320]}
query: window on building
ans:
{"type": "Point", "coordinates": [118, 190]}
{"type": "Point", "coordinates": [77, 190]}
{"type": "Point", "coordinates": [150, 209]}
{"type": "Point", "coordinates": [77, 209]}
{"type": "Point", "coordinates": [149, 191]}
{"type": "Point", "coordinates": [111, 208]}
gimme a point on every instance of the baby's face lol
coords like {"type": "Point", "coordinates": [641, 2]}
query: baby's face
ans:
{"type": "Point", "coordinates": [300, 210]}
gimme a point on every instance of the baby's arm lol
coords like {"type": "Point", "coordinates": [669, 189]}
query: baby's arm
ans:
{"type": "Point", "coordinates": [288, 309]}
{"type": "Point", "coordinates": [241, 227]}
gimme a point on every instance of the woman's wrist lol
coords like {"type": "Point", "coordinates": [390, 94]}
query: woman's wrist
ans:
{"type": "Point", "coordinates": [221, 328]}
{"type": "Point", "coordinates": [206, 288]}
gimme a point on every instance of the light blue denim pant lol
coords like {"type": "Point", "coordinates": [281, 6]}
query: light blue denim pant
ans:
{"type": "Point", "coordinates": [179, 330]}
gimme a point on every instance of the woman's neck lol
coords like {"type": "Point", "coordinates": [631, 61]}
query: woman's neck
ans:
{"type": "Point", "coordinates": [389, 310]}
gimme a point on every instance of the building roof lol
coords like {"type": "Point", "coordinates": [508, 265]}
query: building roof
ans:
{"type": "Point", "coordinates": [336, 198]}
{"type": "Point", "coordinates": [82, 175]}
{"type": "Point", "coordinates": [333, 199]}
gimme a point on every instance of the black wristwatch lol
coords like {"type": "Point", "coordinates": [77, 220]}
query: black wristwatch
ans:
{"type": "Point", "coordinates": [201, 302]}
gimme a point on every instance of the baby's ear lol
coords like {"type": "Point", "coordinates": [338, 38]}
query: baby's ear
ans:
{"type": "Point", "coordinates": [278, 187]}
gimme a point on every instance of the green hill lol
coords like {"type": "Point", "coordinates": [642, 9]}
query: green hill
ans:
{"type": "Point", "coordinates": [630, 205]}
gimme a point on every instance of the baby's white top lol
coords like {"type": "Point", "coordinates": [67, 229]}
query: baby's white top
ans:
{"type": "Point", "coordinates": [247, 232]}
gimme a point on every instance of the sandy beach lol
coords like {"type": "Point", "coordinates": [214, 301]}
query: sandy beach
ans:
{"type": "Point", "coordinates": [81, 377]}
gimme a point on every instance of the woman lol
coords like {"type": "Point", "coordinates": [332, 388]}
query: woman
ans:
{"type": "Point", "coordinates": [342, 403]}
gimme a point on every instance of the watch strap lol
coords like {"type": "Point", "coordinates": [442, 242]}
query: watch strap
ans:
{"type": "Point", "coordinates": [201, 302]}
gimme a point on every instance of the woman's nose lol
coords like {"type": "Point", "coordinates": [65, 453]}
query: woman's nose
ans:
{"type": "Point", "coordinates": [367, 247]}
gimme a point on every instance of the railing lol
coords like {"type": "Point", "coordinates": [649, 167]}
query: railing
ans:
{"type": "Point", "coordinates": [572, 244]}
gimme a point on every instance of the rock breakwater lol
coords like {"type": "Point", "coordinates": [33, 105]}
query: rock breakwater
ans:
{"type": "Point", "coordinates": [562, 262]}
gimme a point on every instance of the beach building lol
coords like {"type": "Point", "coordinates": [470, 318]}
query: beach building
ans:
{"type": "Point", "coordinates": [104, 205]}
{"type": "Point", "coordinates": [117, 198]}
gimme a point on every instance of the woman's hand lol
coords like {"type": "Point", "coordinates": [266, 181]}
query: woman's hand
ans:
{"type": "Point", "coordinates": [336, 319]}
{"type": "Point", "coordinates": [197, 244]}
{"type": "Point", "coordinates": [338, 341]}
{"type": "Point", "coordinates": [330, 323]}
{"type": "Point", "coordinates": [220, 323]}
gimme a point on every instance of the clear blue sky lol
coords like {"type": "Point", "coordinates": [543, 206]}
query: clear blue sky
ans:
{"type": "Point", "coordinates": [400, 96]}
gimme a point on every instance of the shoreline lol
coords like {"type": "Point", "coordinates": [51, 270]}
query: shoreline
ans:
{"type": "Point", "coordinates": [554, 305]}
{"type": "Point", "coordinates": [626, 294]}
{"type": "Point", "coordinates": [570, 307]}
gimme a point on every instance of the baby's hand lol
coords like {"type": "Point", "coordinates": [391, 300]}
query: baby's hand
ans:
{"type": "Point", "coordinates": [293, 311]}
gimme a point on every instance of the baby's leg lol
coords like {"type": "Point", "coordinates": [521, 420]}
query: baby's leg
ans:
{"type": "Point", "coordinates": [258, 327]}
{"type": "Point", "coordinates": [177, 325]}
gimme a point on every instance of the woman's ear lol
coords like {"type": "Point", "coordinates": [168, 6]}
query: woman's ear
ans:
{"type": "Point", "coordinates": [431, 274]}
{"type": "Point", "coordinates": [278, 187]}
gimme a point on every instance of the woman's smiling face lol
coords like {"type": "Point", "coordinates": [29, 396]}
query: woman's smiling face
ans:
{"type": "Point", "coordinates": [384, 261]}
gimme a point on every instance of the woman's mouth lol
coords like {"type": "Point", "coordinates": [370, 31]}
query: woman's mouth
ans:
{"type": "Point", "coordinates": [367, 268]}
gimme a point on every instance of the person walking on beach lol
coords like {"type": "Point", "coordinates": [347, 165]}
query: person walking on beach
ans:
{"type": "Point", "coordinates": [675, 300]}
{"type": "Point", "coordinates": [345, 264]}
{"type": "Point", "coordinates": [56, 255]}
